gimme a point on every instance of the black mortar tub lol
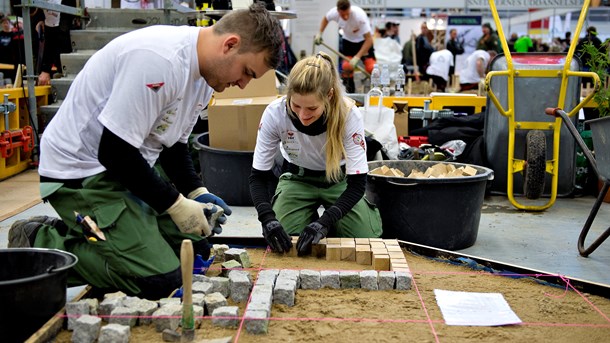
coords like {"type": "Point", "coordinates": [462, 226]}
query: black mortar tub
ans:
{"type": "Point", "coordinates": [225, 172]}
{"type": "Point", "coordinates": [440, 212]}
{"type": "Point", "coordinates": [33, 285]}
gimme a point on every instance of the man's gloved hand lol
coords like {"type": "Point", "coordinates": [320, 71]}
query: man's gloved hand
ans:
{"type": "Point", "coordinates": [276, 237]}
{"type": "Point", "coordinates": [189, 217]}
{"type": "Point", "coordinates": [354, 61]}
{"type": "Point", "coordinates": [312, 234]}
{"type": "Point", "coordinates": [215, 216]}
{"type": "Point", "coordinates": [202, 195]}
{"type": "Point", "coordinates": [317, 40]}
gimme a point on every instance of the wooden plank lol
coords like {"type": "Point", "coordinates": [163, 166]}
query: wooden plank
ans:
{"type": "Point", "coordinates": [51, 328]}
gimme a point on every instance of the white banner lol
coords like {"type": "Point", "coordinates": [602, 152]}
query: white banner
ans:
{"type": "Point", "coordinates": [520, 4]}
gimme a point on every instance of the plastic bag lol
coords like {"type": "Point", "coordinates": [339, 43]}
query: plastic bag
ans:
{"type": "Point", "coordinates": [379, 124]}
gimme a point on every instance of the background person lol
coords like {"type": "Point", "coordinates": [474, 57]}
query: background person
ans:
{"type": "Point", "coordinates": [475, 69]}
{"type": "Point", "coordinates": [134, 103]}
{"type": "Point", "coordinates": [320, 134]}
{"type": "Point", "coordinates": [456, 47]}
{"type": "Point", "coordinates": [356, 41]}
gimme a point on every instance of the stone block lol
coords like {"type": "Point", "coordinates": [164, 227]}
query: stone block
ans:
{"type": "Point", "coordinates": [124, 316]}
{"type": "Point", "coordinates": [169, 301]}
{"type": "Point", "coordinates": [261, 294]}
{"type": "Point", "coordinates": [240, 255]}
{"type": "Point", "coordinates": [226, 316]}
{"type": "Point", "coordinates": [200, 278]}
{"type": "Point", "coordinates": [114, 333]}
{"type": "Point", "coordinates": [94, 305]}
{"type": "Point", "coordinates": [74, 310]}
{"type": "Point", "coordinates": [319, 250]}
{"type": "Point", "coordinates": [368, 279]}
{"type": "Point", "coordinates": [227, 266]}
{"type": "Point", "coordinates": [362, 241]}
{"type": "Point", "coordinates": [284, 292]}
{"type": "Point", "coordinates": [241, 272]}
{"type": "Point", "coordinates": [349, 279]}
{"type": "Point", "coordinates": [145, 310]}
{"type": "Point", "coordinates": [267, 277]}
{"type": "Point", "coordinates": [330, 279]}
{"type": "Point", "coordinates": [403, 280]}
{"type": "Point", "coordinates": [203, 287]}
{"type": "Point", "coordinates": [291, 274]}
{"type": "Point", "coordinates": [198, 312]}
{"type": "Point", "coordinates": [386, 280]}
{"type": "Point", "coordinates": [214, 301]}
{"type": "Point", "coordinates": [239, 287]}
{"type": "Point", "coordinates": [310, 279]}
{"type": "Point", "coordinates": [166, 317]}
{"type": "Point", "coordinates": [170, 336]}
{"type": "Point", "coordinates": [86, 329]}
{"type": "Point", "coordinates": [199, 299]}
{"type": "Point", "coordinates": [257, 322]}
{"type": "Point", "coordinates": [221, 285]}
{"type": "Point", "coordinates": [259, 307]}
{"type": "Point", "coordinates": [219, 252]}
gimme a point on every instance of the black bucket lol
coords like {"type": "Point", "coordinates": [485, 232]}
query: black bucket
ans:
{"type": "Point", "coordinates": [440, 212]}
{"type": "Point", "coordinates": [225, 172]}
{"type": "Point", "coordinates": [32, 289]}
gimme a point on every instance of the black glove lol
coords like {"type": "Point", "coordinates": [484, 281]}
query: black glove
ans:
{"type": "Point", "coordinates": [312, 234]}
{"type": "Point", "coordinates": [276, 237]}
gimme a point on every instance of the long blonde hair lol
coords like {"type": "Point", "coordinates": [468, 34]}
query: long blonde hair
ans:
{"type": "Point", "coordinates": [317, 75]}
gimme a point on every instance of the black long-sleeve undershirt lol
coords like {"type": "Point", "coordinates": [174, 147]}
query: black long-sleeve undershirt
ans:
{"type": "Point", "coordinates": [125, 163]}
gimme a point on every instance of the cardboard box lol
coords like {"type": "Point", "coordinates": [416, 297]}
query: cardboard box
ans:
{"type": "Point", "coordinates": [235, 114]}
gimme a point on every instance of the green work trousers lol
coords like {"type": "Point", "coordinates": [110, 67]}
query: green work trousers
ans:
{"type": "Point", "coordinates": [140, 243]}
{"type": "Point", "coordinates": [297, 199]}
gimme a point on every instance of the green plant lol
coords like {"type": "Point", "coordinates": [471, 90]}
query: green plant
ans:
{"type": "Point", "coordinates": [598, 63]}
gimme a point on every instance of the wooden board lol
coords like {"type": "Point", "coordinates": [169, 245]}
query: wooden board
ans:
{"type": "Point", "coordinates": [19, 193]}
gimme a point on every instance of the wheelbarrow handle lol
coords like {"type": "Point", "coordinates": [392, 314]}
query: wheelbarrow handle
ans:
{"type": "Point", "coordinates": [558, 112]}
{"type": "Point", "coordinates": [554, 111]}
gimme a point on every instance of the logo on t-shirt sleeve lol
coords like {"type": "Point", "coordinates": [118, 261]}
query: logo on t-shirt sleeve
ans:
{"type": "Point", "coordinates": [358, 140]}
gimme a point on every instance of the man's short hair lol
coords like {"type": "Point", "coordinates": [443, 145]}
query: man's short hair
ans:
{"type": "Point", "coordinates": [258, 29]}
{"type": "Point", "coordinates": [343, 5]}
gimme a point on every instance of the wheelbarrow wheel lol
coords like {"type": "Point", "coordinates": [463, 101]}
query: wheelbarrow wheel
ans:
{"type": "Point", "coordinates": [534, 169]}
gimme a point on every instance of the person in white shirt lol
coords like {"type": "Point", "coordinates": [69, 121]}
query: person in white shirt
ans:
{"type": "Point", "coordinates": [438, 68]}
{"type": "Point", "coordinates": [475, 69]}
{"type": "Point", "coordinates": [320, 134]}
{"type": "Point", "coordinates": [133, 105]}
{"type": "Point", "coordinates": [356, 41]}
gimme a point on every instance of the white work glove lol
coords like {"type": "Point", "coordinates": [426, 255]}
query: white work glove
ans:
{"type": "Point", "coordinates": [317, 40]}
{"type": "Point", "coordinates": [189, 217]}
{"type": "Point", "coordinates": [354, 61]}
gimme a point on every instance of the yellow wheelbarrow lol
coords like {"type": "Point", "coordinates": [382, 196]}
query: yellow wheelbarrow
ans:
{"type": "Point", "coordinates": [516, 130]}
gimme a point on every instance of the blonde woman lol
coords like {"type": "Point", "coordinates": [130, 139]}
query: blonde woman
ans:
{"type": "Point", "coordinates": [320, 134]}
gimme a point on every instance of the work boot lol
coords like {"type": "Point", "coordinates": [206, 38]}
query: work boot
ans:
{"type": "Point", "coordinates": [22, 233]}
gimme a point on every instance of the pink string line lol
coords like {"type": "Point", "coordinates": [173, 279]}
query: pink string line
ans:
{"type": "Point", "coordinates": [423, 304]}
{"type": "Point", "coordinates": [601, 313]}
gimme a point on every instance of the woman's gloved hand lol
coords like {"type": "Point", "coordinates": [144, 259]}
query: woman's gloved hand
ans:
{"type": "Point", "coordinates": [276, 237]}
{"type": "Point", "coordinates": [189, 217]}
{"type": "Point", "coordinates": [312, 234]}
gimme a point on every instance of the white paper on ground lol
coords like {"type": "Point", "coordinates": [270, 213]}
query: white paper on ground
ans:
{"type": "Point", "coordinates": [475, 309]}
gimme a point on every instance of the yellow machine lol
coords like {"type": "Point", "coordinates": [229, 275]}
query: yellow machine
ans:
{"type": "Point", "coordinates": [535, 165]}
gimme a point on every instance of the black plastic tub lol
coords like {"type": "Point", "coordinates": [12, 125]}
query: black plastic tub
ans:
{"type": "Point", "coordinates": [33, 285]}
{"type": "Point", "coordinates": [225, 172]}
{"type": "Point", "coordinates": [440, 212]}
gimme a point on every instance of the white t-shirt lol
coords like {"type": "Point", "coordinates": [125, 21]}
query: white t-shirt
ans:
{"type": "Point", "coordinates": [276, 129]}
{"type": "Point", "coordinates": [355, 27]}
{"type": "Point", "coordinates": [440, 62]}
{"type": "Point", "coordinates": [144, 86]}
{"type": "Point", "coordinates": [470, 74]}
{"type": "Point", "coordinates": [51, 18]}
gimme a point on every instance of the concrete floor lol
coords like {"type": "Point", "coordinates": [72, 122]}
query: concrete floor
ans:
{"type": "Point", "coordinates": [542, 241]}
